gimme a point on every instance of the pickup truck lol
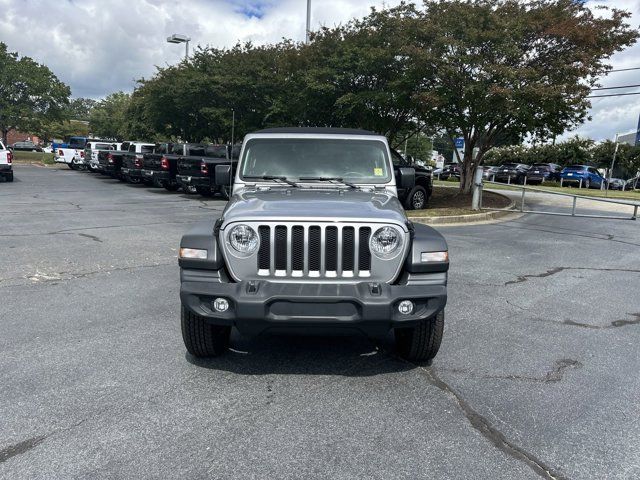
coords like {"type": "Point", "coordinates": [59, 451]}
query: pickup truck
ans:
{"type": "Point", "coordinates": [416, 196]}
{"type": "Point", "coordinates": [161, 166]}
{"type": "Point", "coordinates": [314, 239]}
{"type": "Point", "coordinates": [131, 169]}
{"type": "Point", "coordinates": [110, 161]}
{"type": "Point", "coordinates": [6, 163]}
{"type": "Point", "coordinates": [73, 154]}
{"type": "Point", "coordinates": [197, 170]}
{"type": "Point", "coordinates": [91, 151]}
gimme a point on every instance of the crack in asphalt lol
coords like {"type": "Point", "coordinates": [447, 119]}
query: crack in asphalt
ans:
{"type": "Point", "coordinates": [20, 448]}
{"type": "Point", "coordinates": [53, 278]}
{"type": "Point", "coordinates": [553, 271]}
{"type": "Point", "coordinates": [614, 324]}
{"type": "Point", "coordinates": [595, 236]}
{"type": "Point", "coordinates": [555, 375]}
{"type": "Point", "coordinates": [497, 438]}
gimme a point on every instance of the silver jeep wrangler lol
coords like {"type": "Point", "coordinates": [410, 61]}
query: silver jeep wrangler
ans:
{"type": "Point", "coordinates": [314, 239]}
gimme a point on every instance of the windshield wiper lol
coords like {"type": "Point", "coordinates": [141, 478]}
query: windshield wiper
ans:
{"type": "Point", "coordinates": [329, 179]}
{"type": "Point", "coordinates": [272, 177]}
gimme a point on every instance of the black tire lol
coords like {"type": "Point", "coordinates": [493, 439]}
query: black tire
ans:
{"type": "Point", "coordinates": [204, 191]}
{"type": "Point", "coordinates": [72, 166]}
{"type": "Point", "coordinates": [148, 182]}
{"type": "Point", "coordinates": [586, 183]}
{"type": "Point", "coordinates": [171, 187]}
{"type": "Point", "coordinates": [417, 199]}
{"type": "Point", "coordinates": [421, 342]}
{"type": "Point", "coordinates": [201, 338]}
{"type": "Point", "coordinates": [9, 177]}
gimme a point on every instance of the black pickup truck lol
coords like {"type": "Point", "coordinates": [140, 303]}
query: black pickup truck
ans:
{"type": "Point", "coordinates": [161, 166]}
{"type": "Point", "coordinates": [417, 195]}
{"type": "Point", "coordinates": [131, 170]}
{"type": "Point", "coordinates": [198, 169]}
{"type": "Point", "coordinates": [111, 160]}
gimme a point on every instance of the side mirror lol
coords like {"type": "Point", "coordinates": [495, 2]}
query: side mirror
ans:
{"type": "Point", "coordinates": [223, 175]}
{"type": "Point", "coordinates": [406, 177]}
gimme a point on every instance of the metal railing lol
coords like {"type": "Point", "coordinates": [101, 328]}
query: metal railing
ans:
{"type": "Point", "coordinates": [479, 186]}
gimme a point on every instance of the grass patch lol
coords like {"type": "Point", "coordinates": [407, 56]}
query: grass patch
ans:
{"type": "Point", "coordinates": [33, 157]}
{"type": "Point", "coordinates": [449, 201]}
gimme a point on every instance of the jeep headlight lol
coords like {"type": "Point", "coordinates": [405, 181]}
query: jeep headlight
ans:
{"type": "Point", "coordinates": [243, 239]}
{"type": "Point", "coordinates": [385, 242]}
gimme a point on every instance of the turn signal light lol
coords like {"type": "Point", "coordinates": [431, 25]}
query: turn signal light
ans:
{"type": "Point", "coordinates": [193, 253]}
{"type": "Point", "coordinates": [164, 163]}
{"type": "Point", "coordinates": [427, 257]}
{"type": "Point", "coordinates": [9, 157]}
{"type": "Point", "coordinates": [204, 168]}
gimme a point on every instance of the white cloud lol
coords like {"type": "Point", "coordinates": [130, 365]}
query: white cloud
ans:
{"type": "Point", "coordinates": [98, 47]}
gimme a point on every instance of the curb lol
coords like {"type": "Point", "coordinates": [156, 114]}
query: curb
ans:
{"type": "Point", "coordinates": [471, 218]}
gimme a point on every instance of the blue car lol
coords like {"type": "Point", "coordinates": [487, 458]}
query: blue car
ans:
{"type": "Point", "coordinates": [590, 177]}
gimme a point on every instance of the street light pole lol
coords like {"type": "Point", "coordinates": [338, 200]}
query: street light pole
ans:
{"type": "Point", "coordinates": [613, 162]}
{"type": "Point", "coordinates": [179, 38]}
{"type": "Point", "coordinates": [308, 20]}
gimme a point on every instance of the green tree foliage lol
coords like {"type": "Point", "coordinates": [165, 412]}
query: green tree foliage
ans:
{"type": "Point", "coordinates": [511, 68]}
{"type": "Point", "coordinates": [492, 71]}
{"type": "Point", "coordinates": [108, 116]}
{"type": "Point", "coordinates": [80, 108]}
{"type": "Point", "coordinates": [30, 94]}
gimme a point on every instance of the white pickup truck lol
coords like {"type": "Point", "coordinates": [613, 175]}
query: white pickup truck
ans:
{"type": "Point", "coordinates": [6, 160]}
{"type": "Point", "coordinates": [73, 155]}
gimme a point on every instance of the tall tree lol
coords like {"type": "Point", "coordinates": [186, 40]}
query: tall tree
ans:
{"type": "Point", "coordinates": [108, 117]}
{"type": "Point", "coordinates": [492, 68]}
{"type": "Point", "coordinates": [30, 94]}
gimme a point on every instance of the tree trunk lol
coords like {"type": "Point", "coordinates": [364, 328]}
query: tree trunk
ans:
{"type": "Point", "coordinates": [5, 133]}
{"type": "Point", "coordinates": [467, 171]}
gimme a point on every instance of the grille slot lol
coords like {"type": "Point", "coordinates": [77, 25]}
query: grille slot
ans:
{"type": "Point", "coordinates": [281, 248]}
{"type": "Point", "coordinates": [265, 248]}
{"type": "Point", "coordinates": [314, 251]}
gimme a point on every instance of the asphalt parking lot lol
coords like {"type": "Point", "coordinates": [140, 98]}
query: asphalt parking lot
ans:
{"type": "Point", "coordinates": [537, 375]}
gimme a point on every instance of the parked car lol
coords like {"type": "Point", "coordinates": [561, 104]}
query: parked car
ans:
{"type": "Point", "coordinates": [91, 151]}
{"type": "Point", "coordinates": [417, 196]}
{"type": "Point", "coordinates": [511, 172]}
{"type": "Point", "coordinates": [450, 170]}
{"type": "Point", "coordinates": [313, 238]}
{"type": "Point", "coordinates": [489, 171]}
{"type": "Point", "coordinates": [161, 166]}
{"type": "Point", "coordinates": [616, 184]}
{"type": "Point", "coordinates": [27, 146]}
{"type": "Point", "coordinates": [632, 184]}
{"type": "Point", "coordinates": [543, 172]}
{"type": "Point", "coordinates": [111, 160]}
{"type": "Point", "coordinates": [6, 163]}
{"type": "Point", "coordinates": [131, 168]}
{"type": "Point", "coordinates": [73, 154]}
{"type": "Point", "coordinates": [197, 169]}
{"type": "Point", "coordinates": [582, 175]}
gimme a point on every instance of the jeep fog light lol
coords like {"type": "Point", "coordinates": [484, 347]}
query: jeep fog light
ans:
{"type": "Point", "coordinates": [405, 307]}
{"type": "Point", "coordinates": [434, 257]}
{"type": "Point", "coordinates": [193, 253]}
{"type": "Point", "coordinates": [221, 305]}
{"type": "Point", "coordinates": [243, 239]}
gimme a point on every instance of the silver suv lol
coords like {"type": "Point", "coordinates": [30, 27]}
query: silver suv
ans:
{"type": "Point", "coordinates": [314, 239]}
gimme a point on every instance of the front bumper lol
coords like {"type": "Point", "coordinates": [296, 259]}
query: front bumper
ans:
{"type": "Point", "coordinates": [191, 181]}
{"type": "Point", "coordinates": [262, 305]}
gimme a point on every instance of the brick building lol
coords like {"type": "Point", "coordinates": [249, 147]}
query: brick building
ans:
{"type": "Point", "coordinates": [15, 136]}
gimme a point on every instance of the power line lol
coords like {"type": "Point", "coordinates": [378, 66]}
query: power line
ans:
{"type": "Point", "coordinates": [613, 95]}
{"type": "Point", "coordinates": [622, 70]}
{"type": "Point", "coordinates": [614, 88]}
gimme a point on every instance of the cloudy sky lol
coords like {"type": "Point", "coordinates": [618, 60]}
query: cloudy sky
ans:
{"type": "Point", "coordinates": [98, 47]}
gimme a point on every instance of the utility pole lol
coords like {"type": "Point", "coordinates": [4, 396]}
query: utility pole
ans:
{"type": "Point", "coordinates": [308, 21]}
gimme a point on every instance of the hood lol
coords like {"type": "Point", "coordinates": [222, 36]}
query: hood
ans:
{"type": "Point", "coordinates": [305, 204]}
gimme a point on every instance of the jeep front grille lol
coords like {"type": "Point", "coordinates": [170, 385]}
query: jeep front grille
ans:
{"type": "Point", "coordinates": [305, 251]}
{"type": "Point", "coordinates": [314, 251]}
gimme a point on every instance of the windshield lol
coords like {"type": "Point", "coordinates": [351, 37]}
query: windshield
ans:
{"type": "Point", "coordinates": [216, 151]}
{"type": "Point", "coordinates": [357, 161]}
{"type": "Point", "coordinates": [575, 167]}
{"type": "Point", "coordinates": [540, 166]}
{"type": "Point", "coordinates": [102, 146]}
{"type": "Point", "coordinates": [77, 142]}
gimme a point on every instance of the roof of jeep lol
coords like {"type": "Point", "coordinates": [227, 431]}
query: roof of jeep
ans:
{"type": "Point", "coordinates": [318, 130]}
